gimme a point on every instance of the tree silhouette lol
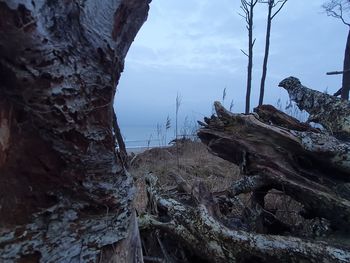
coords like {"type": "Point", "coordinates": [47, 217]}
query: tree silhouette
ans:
{"type": "Point", "coordinates": [272, 4]}
{"type": "Point", "coordinates": [247, 7]}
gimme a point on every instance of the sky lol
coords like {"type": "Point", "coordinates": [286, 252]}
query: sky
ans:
{"type": "Point", "coordinates": [192, 48]}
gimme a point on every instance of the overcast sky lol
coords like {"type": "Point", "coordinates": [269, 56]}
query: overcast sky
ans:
{"type": "Point", "coordinates": [192, 47]}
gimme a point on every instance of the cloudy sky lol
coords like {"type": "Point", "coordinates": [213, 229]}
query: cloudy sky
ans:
{"type": "Point", "coordinates": [192, 48]}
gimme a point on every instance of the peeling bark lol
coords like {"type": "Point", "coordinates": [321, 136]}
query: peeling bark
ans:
{"type": "Point", "coordinates": [63, 195]}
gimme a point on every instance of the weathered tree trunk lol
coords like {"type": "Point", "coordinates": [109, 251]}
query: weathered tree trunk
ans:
{"type": "Point", "coordinates": [250, 56]}
{"type": "Point", "coordinates": [63, 196]}
{"type": "Point", "coordinates": [346, 75]}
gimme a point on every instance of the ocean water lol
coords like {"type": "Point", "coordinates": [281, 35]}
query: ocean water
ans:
{"type": "Point", "coordinates": [141, 136]}
{"type": "Point", "coordinates": [146, 136]}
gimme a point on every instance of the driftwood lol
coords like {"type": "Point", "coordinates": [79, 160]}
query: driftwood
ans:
{"type": "Point", "coordinates": [276, 154]}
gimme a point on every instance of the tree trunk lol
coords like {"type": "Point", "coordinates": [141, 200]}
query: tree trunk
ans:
{"type": "Point", "coordinates": [346, 74]}
{"type": "Point", "coordinates": [250, 57]}
{"type": "Point", "coordinates": [266, 56]}
{"type": "Point", "coordinates": [63, 196]}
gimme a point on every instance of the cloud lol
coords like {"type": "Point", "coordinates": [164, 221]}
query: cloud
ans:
{"type": "Point", "coordinates": [178, 37]}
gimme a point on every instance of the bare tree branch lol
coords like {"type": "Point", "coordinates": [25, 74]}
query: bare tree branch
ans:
{"type": "Point", "coordinates": [245, 53]}
{"type": "Point", "coordinates": [280, 8]}
{"type": "Point", "coordinates": [335, 8]}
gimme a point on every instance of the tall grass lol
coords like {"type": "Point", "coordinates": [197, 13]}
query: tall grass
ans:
{"type": "Point", "coordinates": [223, 96]}
{"type": "Point", "coordinates": [292, 110]}
{"type": "Point", "coordinates": [167, 128]}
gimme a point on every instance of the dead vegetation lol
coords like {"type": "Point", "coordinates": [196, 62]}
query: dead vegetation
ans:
{"type": "Point", "coordinates": [195, 164]}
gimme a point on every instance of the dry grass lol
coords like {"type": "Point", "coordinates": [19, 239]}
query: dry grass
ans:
{"type": "Point", "coordinates": [195, 163]}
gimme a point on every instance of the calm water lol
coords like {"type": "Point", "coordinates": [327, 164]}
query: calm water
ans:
{"type": "Point", "coordinates": [151, 136]}
{"type": "Point", "coordinates": [144, 136]}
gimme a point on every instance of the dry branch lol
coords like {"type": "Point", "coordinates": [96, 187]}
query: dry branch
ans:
{"type": "Point", "coordinates": [337, 72]}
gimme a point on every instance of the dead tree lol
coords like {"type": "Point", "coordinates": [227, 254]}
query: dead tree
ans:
{"type": "Point", "coordinates": [271, 4]}
{"type": "Point", "coordinates": [336, 9]}
{"type": "Point", "coordinates": [276, 153]}
{"type": "Point", "coordinates": [247, 7]}
{"type": "Point", "coordinates": [63, 195]}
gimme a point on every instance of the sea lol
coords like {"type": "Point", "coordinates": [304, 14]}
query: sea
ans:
{"type": "Point", "coordinates": [138, 137]}
{"type": "Point", "coordinates": [146, 136]}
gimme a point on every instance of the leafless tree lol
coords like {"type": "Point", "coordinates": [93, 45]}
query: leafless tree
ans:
{"type": "Point", "coordinates": [337, 9]}
{"type": "Point", "coordinates": [247, 6]}
{"type": "Point", "coordinates": [272, 4]}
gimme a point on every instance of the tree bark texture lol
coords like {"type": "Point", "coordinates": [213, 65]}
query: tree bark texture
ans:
{"type": "Point", "coordinates": [63, 196]}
